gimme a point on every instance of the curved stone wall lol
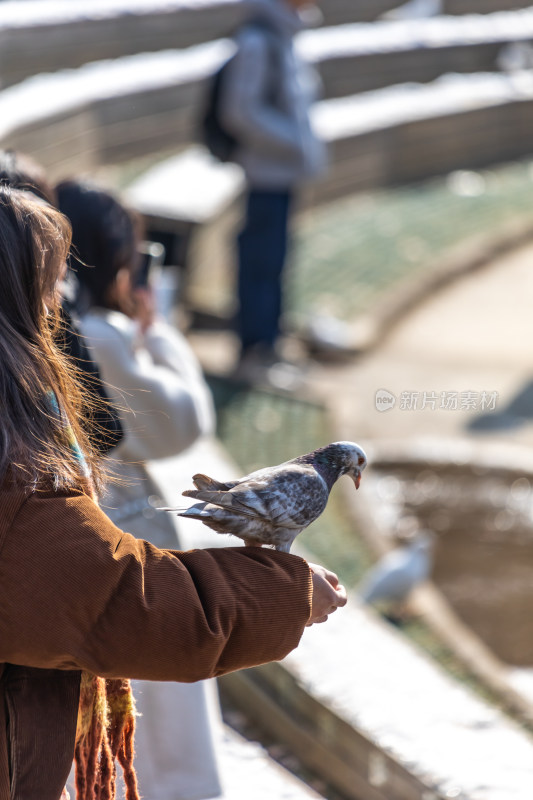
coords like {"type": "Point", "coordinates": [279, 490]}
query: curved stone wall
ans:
{"type": "Point", "coordinates": [57, 39]}
{"type": "Point", "coordinates": [461, 122]}
{"type": "Point", "coordinates": [111, 112]}
{"type": "Point", "coordinates": [39, 37]}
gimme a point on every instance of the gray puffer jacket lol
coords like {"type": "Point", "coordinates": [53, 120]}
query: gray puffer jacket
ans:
{"type": "Point", "coordinates": [266, 96]}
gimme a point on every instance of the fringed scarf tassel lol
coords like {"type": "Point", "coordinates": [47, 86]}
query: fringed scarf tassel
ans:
{"type": "Point", "coordinates": [106, 726]}
{"type": "Point", "coordinates": [121, 731]}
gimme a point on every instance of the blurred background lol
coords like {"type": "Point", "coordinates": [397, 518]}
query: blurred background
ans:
{"type": "Point", "coordinates": [406, 327]}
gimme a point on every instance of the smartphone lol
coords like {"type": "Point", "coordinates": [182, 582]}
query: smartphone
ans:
{"type": "Point", "coordinates": [151, 254]}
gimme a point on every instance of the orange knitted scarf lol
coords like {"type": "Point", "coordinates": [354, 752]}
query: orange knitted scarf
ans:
{"type": "Point", "coordinates": [106, 725]}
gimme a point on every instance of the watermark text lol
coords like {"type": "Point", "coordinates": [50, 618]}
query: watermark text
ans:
{"type": "Point", "coordinates": [452, 400]}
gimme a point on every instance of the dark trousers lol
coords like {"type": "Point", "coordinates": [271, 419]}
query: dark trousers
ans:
{"type": "Point", "coordinates": [40, 714]}
{"type": "Point", "coordinates": [262, 248]}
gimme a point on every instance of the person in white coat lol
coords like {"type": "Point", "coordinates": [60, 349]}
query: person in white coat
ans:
{"type": "Point", "coordinates": [154, 379]}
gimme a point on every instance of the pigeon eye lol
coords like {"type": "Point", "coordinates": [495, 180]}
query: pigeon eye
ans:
{"type": "Point", "coordinates": [360, 461]}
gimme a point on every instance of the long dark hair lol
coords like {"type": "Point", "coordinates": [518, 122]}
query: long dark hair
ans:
{"type": "Point", "coordinates": [39, 394]}
{"type": "Point", "coordinates": [104, 235]}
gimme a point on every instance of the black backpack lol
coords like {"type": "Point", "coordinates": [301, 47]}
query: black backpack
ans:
{"type": "Point", "coordinates": [211, 133]}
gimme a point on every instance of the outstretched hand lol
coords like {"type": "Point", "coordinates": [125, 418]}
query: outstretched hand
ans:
{"type": "Point", "coordinates": [328, 594]}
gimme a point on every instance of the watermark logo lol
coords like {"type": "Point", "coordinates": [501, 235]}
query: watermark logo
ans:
{"type": "Point", "coordinates": [437, 401]}
{"type": "Point", "coordinates": [385, 400]}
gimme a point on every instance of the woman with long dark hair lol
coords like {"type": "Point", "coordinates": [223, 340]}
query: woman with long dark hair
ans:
{"type": "Point", "coordinates": [83, 605]}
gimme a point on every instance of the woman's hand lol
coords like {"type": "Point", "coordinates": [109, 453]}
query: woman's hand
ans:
{"type": "Point", "coordinates": [144, 307]}
{"type": "Point", "coordinates": [328, 594]}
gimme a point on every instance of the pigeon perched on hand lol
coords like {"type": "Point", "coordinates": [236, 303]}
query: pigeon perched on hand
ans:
{"type": "Point", "coordinates": [272, 505]}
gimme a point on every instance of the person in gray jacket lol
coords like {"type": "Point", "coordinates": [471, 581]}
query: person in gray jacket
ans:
{"type": "Point", "coordinates": [266, 98]}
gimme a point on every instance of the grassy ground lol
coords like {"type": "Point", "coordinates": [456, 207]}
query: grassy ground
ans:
{"type": "Point", "coordinates": [346, 254]}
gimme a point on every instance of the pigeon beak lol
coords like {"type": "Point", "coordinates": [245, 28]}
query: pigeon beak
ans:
{"type": "Point", "coordinates": [357, 479]}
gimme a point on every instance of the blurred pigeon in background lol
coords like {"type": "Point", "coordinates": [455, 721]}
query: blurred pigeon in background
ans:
{"type": "Point", "coordinates": [389, 582]}
{"type": "Point", "coordinates": [272, 505]}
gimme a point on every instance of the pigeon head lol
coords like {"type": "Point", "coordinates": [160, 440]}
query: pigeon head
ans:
{"type": "Point", "coordinates": [351, 459]}
{"type": "Point", "coordinates": [339, 458]}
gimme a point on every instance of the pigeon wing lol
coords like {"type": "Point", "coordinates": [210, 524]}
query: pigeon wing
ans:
{"type": "Point", "coordinates": [289, 497]}
{"type": "Point", "coordinates": [231, 500]}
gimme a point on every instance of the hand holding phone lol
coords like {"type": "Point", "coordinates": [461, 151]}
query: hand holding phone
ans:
{"type": "Point", "coordinates": [151, 254]}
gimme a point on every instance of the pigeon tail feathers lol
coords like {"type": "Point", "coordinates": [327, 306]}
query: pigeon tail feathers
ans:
{"type": "Point", "coordinates": [203, 513]}
{"type": "Point", "coordinates": [225, 500]}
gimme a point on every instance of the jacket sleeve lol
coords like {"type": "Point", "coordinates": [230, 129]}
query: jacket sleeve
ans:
{"type": "Point", "coordinates": [244, 108]}
{"type": "Point", "coordinates": [77, 592]}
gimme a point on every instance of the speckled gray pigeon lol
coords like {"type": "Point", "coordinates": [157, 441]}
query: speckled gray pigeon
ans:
{"type": "Point", "coordinates": [272, 505]}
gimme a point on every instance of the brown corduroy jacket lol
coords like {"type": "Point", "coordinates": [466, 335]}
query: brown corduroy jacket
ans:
{"type": "Point", "coordinates": [77, 593]}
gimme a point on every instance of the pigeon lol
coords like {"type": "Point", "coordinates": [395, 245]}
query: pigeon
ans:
{"type": "Point", "coordinates": [398, 572]}
{"type": "Point", "coordinates": [272, 505]}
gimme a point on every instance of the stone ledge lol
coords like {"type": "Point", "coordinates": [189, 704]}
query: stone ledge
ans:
{"type": "Point", "coordinates": [390, 716]}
